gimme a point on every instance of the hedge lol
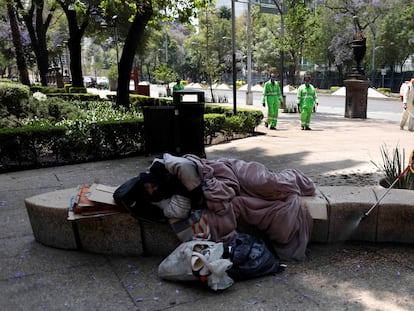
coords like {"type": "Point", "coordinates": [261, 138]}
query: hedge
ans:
{"type": "Point", "coordinates": [33, 146]}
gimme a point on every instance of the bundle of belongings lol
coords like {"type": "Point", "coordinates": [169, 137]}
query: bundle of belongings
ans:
{"type": "Point", "coordinates": [206, 200]}
{"type": "Point", "coordinates": [93, 201]}
{"type": "Point", "coordinates": [217, 265]}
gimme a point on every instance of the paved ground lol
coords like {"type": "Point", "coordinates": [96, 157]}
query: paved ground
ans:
{"type": "Point", "coordinates": [338, 151]}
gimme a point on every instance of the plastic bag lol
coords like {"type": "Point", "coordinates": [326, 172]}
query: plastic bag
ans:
{"type": "Point", "coordinates": [197, 260]}
{"type": "Point", "coordinates": [251, 258]}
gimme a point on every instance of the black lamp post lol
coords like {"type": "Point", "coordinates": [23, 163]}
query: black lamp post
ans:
{"type": "Point", "coordinates": [233, 49]}
{"type": "Point", "coordinates": [115, 22]}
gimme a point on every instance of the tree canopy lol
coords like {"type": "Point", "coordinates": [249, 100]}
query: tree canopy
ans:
{"type": "Point", "coordinates": [192, 39]}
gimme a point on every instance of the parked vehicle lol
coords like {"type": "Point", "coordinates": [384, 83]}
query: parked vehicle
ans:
{"type": "Point", "coordinates": [89, 81]}
{"type": "Point", "coordinates": [102, 83]}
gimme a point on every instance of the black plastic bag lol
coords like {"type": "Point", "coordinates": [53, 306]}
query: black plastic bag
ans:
{"type": "Point", "coordinates": [251, 258]}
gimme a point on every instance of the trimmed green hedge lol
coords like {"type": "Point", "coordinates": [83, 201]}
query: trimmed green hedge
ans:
{"type": "Point", "coordinates": [14, 98]}
{"type": "Point", "coordinates": [80, 140]}
{"type": "Point", "coordinates": [32, 147]}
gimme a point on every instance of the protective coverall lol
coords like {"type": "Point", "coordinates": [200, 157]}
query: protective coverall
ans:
{"type": "Point", "coordinates": [307, 99]}
{"type": "Point", "coordinates": [408, 102]}
{"type": "Point", "coordinates": [273, 96]}
{"type": "Point", "coordinates": [178, 87]}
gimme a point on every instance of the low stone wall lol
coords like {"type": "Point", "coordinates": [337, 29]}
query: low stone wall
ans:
{"type": "Point", "coordinates": [337, 213]}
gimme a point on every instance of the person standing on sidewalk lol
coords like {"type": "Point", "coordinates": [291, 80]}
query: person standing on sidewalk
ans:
{"type": "Point", "coordinates": [178, 86]}
{"type": "Point", "coordinates": [307, 99]}
{"type": "Point", "coordinates": [408, 104]}
{"type": "Point", "coordinates": [272, 97]}
{"type": "Point", "coordinates": [404, 118]}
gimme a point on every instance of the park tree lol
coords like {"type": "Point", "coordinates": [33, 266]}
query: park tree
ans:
{"type": "Point", "coordinates": [396, 36]}
{"type": "Point", "coordinates": [144, 14]}
{"type": "Point", "coordinates": [211, 46]}
{"type": "Point", "coordinates": [78, 17]}
{"type": "Point", "coordinates": [301, 22]}
{"type": "Point", "coordinates": [368, 12]}
{"type": "Point", "coordinates": [18, 45]}
{"type": "Point", "coordinates": [266, 35]}
{"type": "Point", "coordinates": [149, 62]}
{"type": "Point", "coordinates": [319, 52]}
{"type": "Point", "coordinates": [37, 16]}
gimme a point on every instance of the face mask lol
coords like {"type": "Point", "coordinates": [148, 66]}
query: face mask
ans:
{"type": "Point", "coordinates": [272, 80]}
{"type": "Point", "coordinates": [307, 84]}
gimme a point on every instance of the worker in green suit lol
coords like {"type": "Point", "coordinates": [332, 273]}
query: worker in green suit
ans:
{"type": "Point", "coordinates": [178, 86]}
{"type": "Point", "coordinates": [272, 97]}
{"type": "Point", "coordinates": [307, 99]}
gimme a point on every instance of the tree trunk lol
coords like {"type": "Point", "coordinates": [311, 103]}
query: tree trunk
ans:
{"type": "Point", "coordinates": [38, 35]}
{"type": "Point", "coordinates": [74, 44]}
{"type": "Point", "coordinates": [17, 42]}
{"type": "Point", "coordinates": [134, 38]}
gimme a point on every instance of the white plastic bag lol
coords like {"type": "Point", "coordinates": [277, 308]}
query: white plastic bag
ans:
{"type": "Point", "coordinates": [195, 260]}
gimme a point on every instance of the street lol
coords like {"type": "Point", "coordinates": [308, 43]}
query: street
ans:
{"type": "Point", "coordinates": [377, 108]}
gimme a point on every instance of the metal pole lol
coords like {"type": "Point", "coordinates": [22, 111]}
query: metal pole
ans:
{"type": "Point", "coordinates": [373, 63]}
{"type": "Point", "coordinates": [249, 95]}
{"type": "Point", "coordinates": [115, 20]}
{"type": "Point", "coordinates": [280, 9]}
{"type": "Point", "coordinates": [233, 47]}
{"type": "Point", "coordinates": [388, 190]}
{"type": "Point", "coordinates": [166, 48]}
{"type": "Point", "coordinates": [282, 53]}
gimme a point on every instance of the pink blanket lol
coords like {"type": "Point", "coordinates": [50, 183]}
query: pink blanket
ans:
{"type": "Point", "coordinates": [235, 189]}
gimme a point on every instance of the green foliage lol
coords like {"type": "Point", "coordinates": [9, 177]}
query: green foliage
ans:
{"type": "Point", "coordinates": [14, 98]}
{"type": "Point", "coordinates": [165, 74]}
{"type": "Point", "coordinates": [112, 73]}
{"type": "Point", "coordinates": [385, 90]}
{"type": "Point", "coordinates": [76, 96]}
{"type": "Point", "coordinates": [393, 165]}
{"type": "Point", "coordinates": [67, 89]}
{"type": "Point", "coordinates": [221, 120]}
{"type": "Point", "coordinates": [39, 88]}
{"type": "Point", "coordinates": [213, 125]}
{"type": "Point", "coordinates": [138, 101]}
{"type": "Point", "coordinates": [333, 89]}
{"type": "Point", "coordinates": [21, 147]}
{"type": "Point", "coordinates": [77, 90]}
{"type": "Point", "coordinates": [58, 131]}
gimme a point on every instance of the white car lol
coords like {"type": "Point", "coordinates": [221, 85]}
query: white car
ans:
{"type": "Point", "coordinates": [89, 81]}
{"type": "Point", "coordinates": [102, 83]}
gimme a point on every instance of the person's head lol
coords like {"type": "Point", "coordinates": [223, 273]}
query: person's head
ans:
{"type": "Point", "coordinates": [307, 80]}
{"type": "Point", "coordinates": [158, 182]}
{"type": "Point", "coordinates": [178, 81]}
{"type": "Point", "coordinates": [151, 186]}
{"type": "Point", "coordinates": [272, 77]}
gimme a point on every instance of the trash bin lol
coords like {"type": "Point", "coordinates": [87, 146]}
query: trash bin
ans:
{"type": "Point", "coordinates": [159, 127]}
{"type": "Point", "coordinates": [189, 122]}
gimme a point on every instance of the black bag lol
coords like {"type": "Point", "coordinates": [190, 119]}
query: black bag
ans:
{"type": "Point", "coordinates": [128, 193]}
{"type": "Point", "coordinates": [132, 196]}
{"type": "Point", "coordinates": [251, 258]}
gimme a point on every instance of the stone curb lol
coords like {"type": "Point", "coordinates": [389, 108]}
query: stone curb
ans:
{"type": "Point", "coordinates": [337, 213]}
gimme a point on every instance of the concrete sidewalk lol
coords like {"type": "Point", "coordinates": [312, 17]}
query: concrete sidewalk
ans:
{"type": "Point", "coordinates": [337, 151]}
